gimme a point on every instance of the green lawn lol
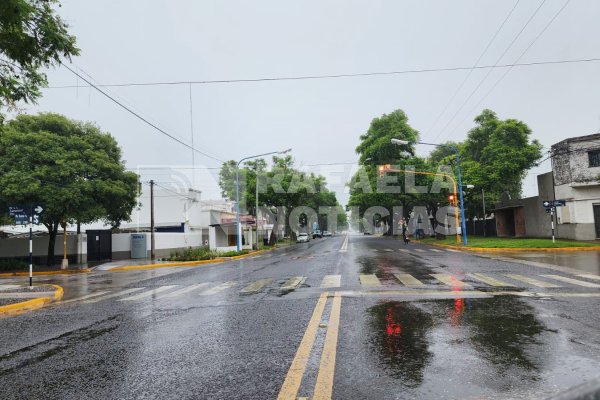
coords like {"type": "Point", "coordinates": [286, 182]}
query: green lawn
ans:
{"type": "Point", "coordinates": [511, 243]}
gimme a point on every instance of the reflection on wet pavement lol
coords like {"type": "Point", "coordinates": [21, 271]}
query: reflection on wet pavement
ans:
{"type": "Point", "coordinates": [500, 334]}
{"type": "Point", "coordinates": [399, 337]}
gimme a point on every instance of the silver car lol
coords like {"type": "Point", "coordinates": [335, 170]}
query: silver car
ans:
{"type": "Point", "coordinates": [303, 238]}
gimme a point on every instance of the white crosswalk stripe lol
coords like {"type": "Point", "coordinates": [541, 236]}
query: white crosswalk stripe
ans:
{"type": "Point", "coordinates": [436, 250]}
{"type": "Point", "coordinates": [489, 280]}
{"type": "Point", "coordinates": [88, 296]}
{"type": "Point", "coordinates": [450, 280]}
{"type": "Point", "coordinates": [588, 276]}
{"type": "Point", "coordinates": [6, 287]}
{"type": "Point", "coordinates": [452, 251]}
{"type": "Point", "coordinates": [112, 295]}
{"type": "Point", "coordinates": [572, 281]}
{"type": "Point", "coordinates": [149, 293]}
{"type": "Point", "coordinates": [184, 290]}
{"type": "Point", "coordinates": [331, 281]}
{"type": "Point", "coordinates": [388, 250]}
{"type": "Point", "coordinates": [369, 280]}
{"type": "Point", "coordinates": [256, 286]}
{"type": "Point", "coordinates": [408, 279]}
{"type": "Point", "coordinates": [420, 250]}
{"type": "Point", "coordinates": [404, 250]}
{"type": "Point", "coordinates": [531, 281]}
{"type": "Point", "coordinates": [218, 289]}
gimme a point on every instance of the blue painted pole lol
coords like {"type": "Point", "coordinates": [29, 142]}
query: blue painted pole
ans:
{"type": "Point", "coordinates": [238, 227]}
{"type": "Point", "coordinates": [462, 205]}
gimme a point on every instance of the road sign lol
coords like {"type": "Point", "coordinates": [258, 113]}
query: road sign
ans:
{"type": "Point", "coordinates": [14, 210]}
{"type": "Point", "coordinates": [554, 203]}
{"type": "Point", "coordinates": [21, 219]}
{"type": "Point", "coordinates": [38, 210]}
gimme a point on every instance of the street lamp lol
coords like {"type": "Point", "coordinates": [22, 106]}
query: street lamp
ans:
{"type": "Point", "coordinates": [237, 193]}
{"type": "Point", "coordinates": [460, 188]}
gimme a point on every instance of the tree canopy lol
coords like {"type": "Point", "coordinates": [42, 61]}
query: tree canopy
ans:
{"type": "Point", "coordinates": [280, 186]}
{"type": "Point", "coordinates": [32, 37]}
{"type": "Point", "coordinates": [72, 169]}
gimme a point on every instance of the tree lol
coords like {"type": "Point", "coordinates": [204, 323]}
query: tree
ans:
{"type": "Point", "coordinates": [496, 156]}
{"type": "Point", "coordinates": [375, 149]}
{"type": "Point", "coordinates": [72, 169]}
{"type": "Point", "coordinates": [281, 186]}
{"type": "Point", "coordinates": [32, 37]}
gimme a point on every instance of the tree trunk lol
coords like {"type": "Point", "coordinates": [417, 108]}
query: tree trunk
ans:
{"type": "Point", "coordinates": [52, 231]}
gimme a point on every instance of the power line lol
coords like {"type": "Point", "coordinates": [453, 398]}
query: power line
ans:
{"type": "Point", "coordinates": [509, 69]}
{"type": "Point", "coordinates": [139, 116]}
{"type": "Point", "coordinates": [473, 68]}
{"type": "Point", "coordinates": [490, 70]}
{"type": "Point", "coordinates": [313, 77]}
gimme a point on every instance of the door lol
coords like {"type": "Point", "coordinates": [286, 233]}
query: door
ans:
{"type": "Point", "coordinates": [597, 219]}
{"type": "Point", "coordinates": [99, 245]}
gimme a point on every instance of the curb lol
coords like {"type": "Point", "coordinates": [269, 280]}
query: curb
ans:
{"type": "Point", "coordinates": [186, 263]}
{"type": "Point", "coordinates": [67, 272]}
{"type": "Point", "coordinates": [33, 304]}
{"type": "Point", "coordinates": [515, 249]}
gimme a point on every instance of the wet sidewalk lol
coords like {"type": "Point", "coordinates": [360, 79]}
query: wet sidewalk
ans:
{"type": "Point", "coordinates": [583, 261]}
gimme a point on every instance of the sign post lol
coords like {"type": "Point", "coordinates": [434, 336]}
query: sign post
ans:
{"type": "Point", "coordinates": [550, 206]}
{"type": "Point", "coordinates": [27, 215]}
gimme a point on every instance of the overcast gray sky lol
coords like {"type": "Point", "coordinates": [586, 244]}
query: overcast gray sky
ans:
{"type": "Point", "coordinates": [164, 41]}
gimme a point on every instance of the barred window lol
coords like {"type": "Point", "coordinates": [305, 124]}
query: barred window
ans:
{"type": "Point", "coordinates": [594, 158]}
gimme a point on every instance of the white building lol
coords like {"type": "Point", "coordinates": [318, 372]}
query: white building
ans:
{"type": "Point", "coordinates": [576, 171]}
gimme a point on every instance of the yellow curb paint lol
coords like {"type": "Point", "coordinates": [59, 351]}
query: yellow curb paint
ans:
{"type": "Point", "coordinates": [291, 384]}
{"type": "Point", "coordinates": [67, 272]}
{"type": "Point", "coordinates": [30, 305]}
{"type": "Point", "coordinates": [324, 386]}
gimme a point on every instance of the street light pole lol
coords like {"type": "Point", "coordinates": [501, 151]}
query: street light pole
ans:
{"type": "Point", "coordinates": [460, 189]}
{"type": "Point", "coordinates": [237, 193]}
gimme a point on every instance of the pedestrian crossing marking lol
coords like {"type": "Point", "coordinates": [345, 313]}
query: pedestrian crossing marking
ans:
{"type": "Point", "coordinates": [404, 250]}
{"type": "Point", "coordinates": [88, 296]}
{"type": "Point", "coordinates": [388, 250]}
{"type": "Point", "coordinates": [450, 280]}
{"type": "Point", "coordinates": [331, 281]}
{"type": "Point", "coordinates": [369, 280]}
{"type": "Point", "coordinates": [256, 286]}
{"type": "Point", "coordinates": [408, 279]}
{"type": "Point", "coordinates": [531, 281]}
{"type": "Point", "coordinates": [110, 296]}
{"type": "Point", "coordinates": [184, 290]}
{"type": "Point", "coordinates": [420, 250]}
{"type": "Point", "coordinates": [588, 276]}
{"type": "Point", "coordinates": [572, 281]}
{"type": "Point", "coordinates": [489, 280]}
{"type": "Point", "coordinates": [453, 251]}
{"type": "Point", "coordinates": [436, 250]}
{"type": "Point", "coordinates": [219, 288]}
{"type": "Point", "coordinates": [149, 293]}
{"type": "Point", "coordinates": [6, 287]}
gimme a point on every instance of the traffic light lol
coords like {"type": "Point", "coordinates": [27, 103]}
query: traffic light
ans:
{"type": "Point", "coordinates": [381, 171]}
{"type": "Point", "coordinates": [451, 198]}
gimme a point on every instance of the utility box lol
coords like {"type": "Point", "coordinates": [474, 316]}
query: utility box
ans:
{"type": "Point", "coordinates": [139, 246]}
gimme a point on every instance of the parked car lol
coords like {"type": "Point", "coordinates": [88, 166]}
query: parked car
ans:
{"type": "Point", "coordinates": [303, 238]}
{"type": "Point", "coordinates": [317, 234]}
{"type": "Point", "coordinates": [326, 233]}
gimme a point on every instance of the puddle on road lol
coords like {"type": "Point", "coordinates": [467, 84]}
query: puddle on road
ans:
{"type": "Point", "coordinates": [498, 343]}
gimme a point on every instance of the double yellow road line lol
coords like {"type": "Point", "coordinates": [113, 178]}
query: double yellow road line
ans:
{"type": "Point", "coordinates": [324, 386]}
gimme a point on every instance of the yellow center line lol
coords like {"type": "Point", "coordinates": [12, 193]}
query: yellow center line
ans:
{"type": "Point", "coordinates": [324, 386]}
{"type": "Point", "coordinates": [291, 384]}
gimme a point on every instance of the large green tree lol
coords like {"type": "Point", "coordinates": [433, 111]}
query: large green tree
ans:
{"type": "Point", "coordinates": [367, 188]}
{"type": "Point", "coordinates": [72, 169]}
{"type": "Point", "coordinates": [32, 38]}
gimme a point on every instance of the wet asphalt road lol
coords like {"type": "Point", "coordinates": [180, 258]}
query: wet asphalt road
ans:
{"type": "Point", "coordinates": [190, 333]}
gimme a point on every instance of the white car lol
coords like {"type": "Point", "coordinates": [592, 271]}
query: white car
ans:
{"type": "Point", "coordinates": [326, 233]}
{"type": "Point", "coordinates": [303, 238]}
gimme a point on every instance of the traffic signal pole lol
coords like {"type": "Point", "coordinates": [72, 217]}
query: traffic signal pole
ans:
{"type": "Point", "coordinates": [31, 247]}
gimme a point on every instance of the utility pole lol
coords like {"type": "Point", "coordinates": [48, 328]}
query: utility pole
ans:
{"type": "Point", "coordinates": [152, 254]}
{"type": "Point", "coordinates": [484, 218]}
{"type": "Point", "coordinates": [31, 246]}
{"type": "Point", "coordinates": [256, 212]}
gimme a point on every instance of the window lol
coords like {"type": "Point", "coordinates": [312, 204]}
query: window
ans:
{"type": "Point", "coordinates": [594, 158]}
